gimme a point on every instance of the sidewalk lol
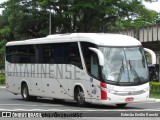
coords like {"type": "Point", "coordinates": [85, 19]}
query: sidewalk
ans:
{"type": "Point", "coordinates": [2, 87]}
{"type": "Point", "coordinates": [154, 100]}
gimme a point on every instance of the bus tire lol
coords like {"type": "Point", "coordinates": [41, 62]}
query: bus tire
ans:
{"type": "Point", "coordinates": [121, 105]}
{"type": "Point", "coordinates": [25, 92]}
{"type": "Point", "coordinates": [80, 97]}
{"type": "Point", "coordinates": [57, 101]}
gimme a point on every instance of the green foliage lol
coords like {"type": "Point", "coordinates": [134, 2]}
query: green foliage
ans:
{"type": "Point", "coordinates": [154, 95]}
{"type": "Point", "coordinates": [24, 19]}
{"type": "Point", "coordinates": [2, 79]}
{"type": "Point", "coordinates": [155, 87]}
{"type": "Point", "coordinates": [2, 49]}
{"type": "Point", "coordinates": [30, 19]}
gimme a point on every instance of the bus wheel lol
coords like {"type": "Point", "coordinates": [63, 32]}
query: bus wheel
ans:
{"type": "Point", "coordinates": [80, 97]}
{"type": "Point", "coordinates": [121, 105]}
{"type": "Point", "coordinates": [25, 92]}
{"type": "Point", "coordinates": [57, 100]}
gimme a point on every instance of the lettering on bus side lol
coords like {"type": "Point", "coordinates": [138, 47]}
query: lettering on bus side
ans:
{"type": "Point", "coordinates": [56, 71]}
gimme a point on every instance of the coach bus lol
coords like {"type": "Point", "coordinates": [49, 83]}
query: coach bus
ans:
{"type": "Point", "coordinates": [94, 68]}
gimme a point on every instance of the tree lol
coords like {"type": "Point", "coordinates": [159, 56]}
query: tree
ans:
{"type": "Point", "coordinates": [2, 50]}
{"type": "Point", "coordinates": [24, 19]}
{"type": "Point", "coordinates": [30, 18]}
{"type": "Point", "coordinates": [138, 16]}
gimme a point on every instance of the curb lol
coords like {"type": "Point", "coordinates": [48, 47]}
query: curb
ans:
{"type": "Point", "coordinates": [2, 87]}
{"type": "Point", "coordinates": [154, 100]}
{"type": "Point", "coordinates": [157, 100]}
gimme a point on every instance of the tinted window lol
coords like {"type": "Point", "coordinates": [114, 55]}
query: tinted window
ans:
{"type": "Point", "coordinates": [74, 55]}
{"type": "Point", "coordinates": [53, 53]}
{"type": "Point", "coordinates": [91, 59]}
{"type": "Point", "coordinates": [21, 54]}
{"type": "Point", "coordinates": [59, 53]}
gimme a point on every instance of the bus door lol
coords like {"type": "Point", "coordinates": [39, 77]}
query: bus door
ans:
{"type": "Point", "coordinates": [94, 80]}
{"type": "Point", "coordinates": [92, 70]}
{"type": "Point", "coordinates": [49, 73]}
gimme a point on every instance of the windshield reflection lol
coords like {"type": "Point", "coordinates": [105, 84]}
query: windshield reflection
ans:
{"type": "Point", "coordinates": [124, 65]}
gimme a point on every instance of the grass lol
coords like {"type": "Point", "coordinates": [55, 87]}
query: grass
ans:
{"type": "Point", "coordinates": [155, 95]}
{"type": "Point", "coordinates": [155, 90]}
{"type": "Point", "coordinates": [2, 79]}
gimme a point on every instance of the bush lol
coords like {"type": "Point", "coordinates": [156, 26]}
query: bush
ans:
{"type": "Point", "coordinates": [2, 79]}
{"type": "Point", "coordinates": [155, 87]}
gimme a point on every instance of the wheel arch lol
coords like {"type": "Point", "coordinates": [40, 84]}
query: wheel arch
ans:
{"type": "Point", "coordinates": [23, 82]}
{"type": "Point", "coordinates": [78, 85]}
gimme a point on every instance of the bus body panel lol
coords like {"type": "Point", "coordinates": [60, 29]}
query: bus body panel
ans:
{"type": "Point", "coordinates": [126, 94]}
{"type": "Point", "coordinates": [59, 80]}
{"type": "Point", "coordinates": [102, 39]}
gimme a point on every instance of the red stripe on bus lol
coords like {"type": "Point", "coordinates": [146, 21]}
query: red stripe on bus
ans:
{"type": "Point", "coordinates": [103, 91]}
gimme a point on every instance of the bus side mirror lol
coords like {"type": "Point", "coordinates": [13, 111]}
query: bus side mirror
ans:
{"type": "Point", "coordinates": [153, 68]}
{"type": "Point", "coordinates": [99, 54]}
{"type": "Point", "coordinates": [153, 72]}
{"type": "Point", "coordinates": [153, 55]}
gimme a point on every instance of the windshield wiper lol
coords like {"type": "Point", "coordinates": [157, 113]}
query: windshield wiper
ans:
{"type": "Point", "coordinates": [134, 72]}
{"type": "Point", "coordinates": [120, 73]}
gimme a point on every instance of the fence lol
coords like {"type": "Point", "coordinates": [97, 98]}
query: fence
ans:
{"type": "Point", "coordinates": [145, 34]}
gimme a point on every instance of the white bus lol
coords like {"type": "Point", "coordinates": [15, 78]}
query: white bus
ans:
{"type": "Point", "coordinates": [85, 67]}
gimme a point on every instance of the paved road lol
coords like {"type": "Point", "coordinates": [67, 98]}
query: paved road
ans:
{"type": "Point", "coordinates": [10, 102]}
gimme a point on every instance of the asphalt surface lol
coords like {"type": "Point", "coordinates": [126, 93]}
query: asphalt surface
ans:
{"type": "Point", "coordinates": [14, 103]}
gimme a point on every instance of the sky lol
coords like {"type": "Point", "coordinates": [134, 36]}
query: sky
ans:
{"type": "Point", "coordinates": [1, 1]}
{"type": "Point", "coordinates": [153, 6]}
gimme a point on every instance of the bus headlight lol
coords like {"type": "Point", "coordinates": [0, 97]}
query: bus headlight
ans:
{"type": "Point", "coordinates": [104, 89]}
{"type": "Point", "coordinates": [111, 91]}
{"type": "Point", "coordinates": [146, 89]}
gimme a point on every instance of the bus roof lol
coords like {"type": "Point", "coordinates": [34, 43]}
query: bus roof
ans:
{"type": "Point", "coordinates": [102, 39]}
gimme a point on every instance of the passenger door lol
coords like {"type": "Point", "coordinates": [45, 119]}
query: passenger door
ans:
{"type": "Point", "coordinates": [92, 70]}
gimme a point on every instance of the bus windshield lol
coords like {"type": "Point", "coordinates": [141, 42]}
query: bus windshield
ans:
{"type": "Point", "coordinates": [124, 65]}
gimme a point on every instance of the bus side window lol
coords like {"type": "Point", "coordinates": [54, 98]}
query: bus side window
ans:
{"type": "Point", "coordinates": [90, 59]}
{"type": "Point", "coordinates": [60, 53]}
{"type": "Point", "coordinates": [21, 54]}
{"type": "Point", "coordinates": [27, 54]}
{"type": "Point", "coordinates": [94, 65]}
{"type": "Point", "coordinates": [12, 54]}
{"type": "Point", "coordinates": [74, 55]}
{"type": "Point", "coordinates": [45, 53]}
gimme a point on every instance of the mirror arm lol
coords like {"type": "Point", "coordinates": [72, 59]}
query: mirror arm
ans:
{"type": "Point", "coordinates": [100, 55]}
{"type": "Point", "coordinates": [153, 55]}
